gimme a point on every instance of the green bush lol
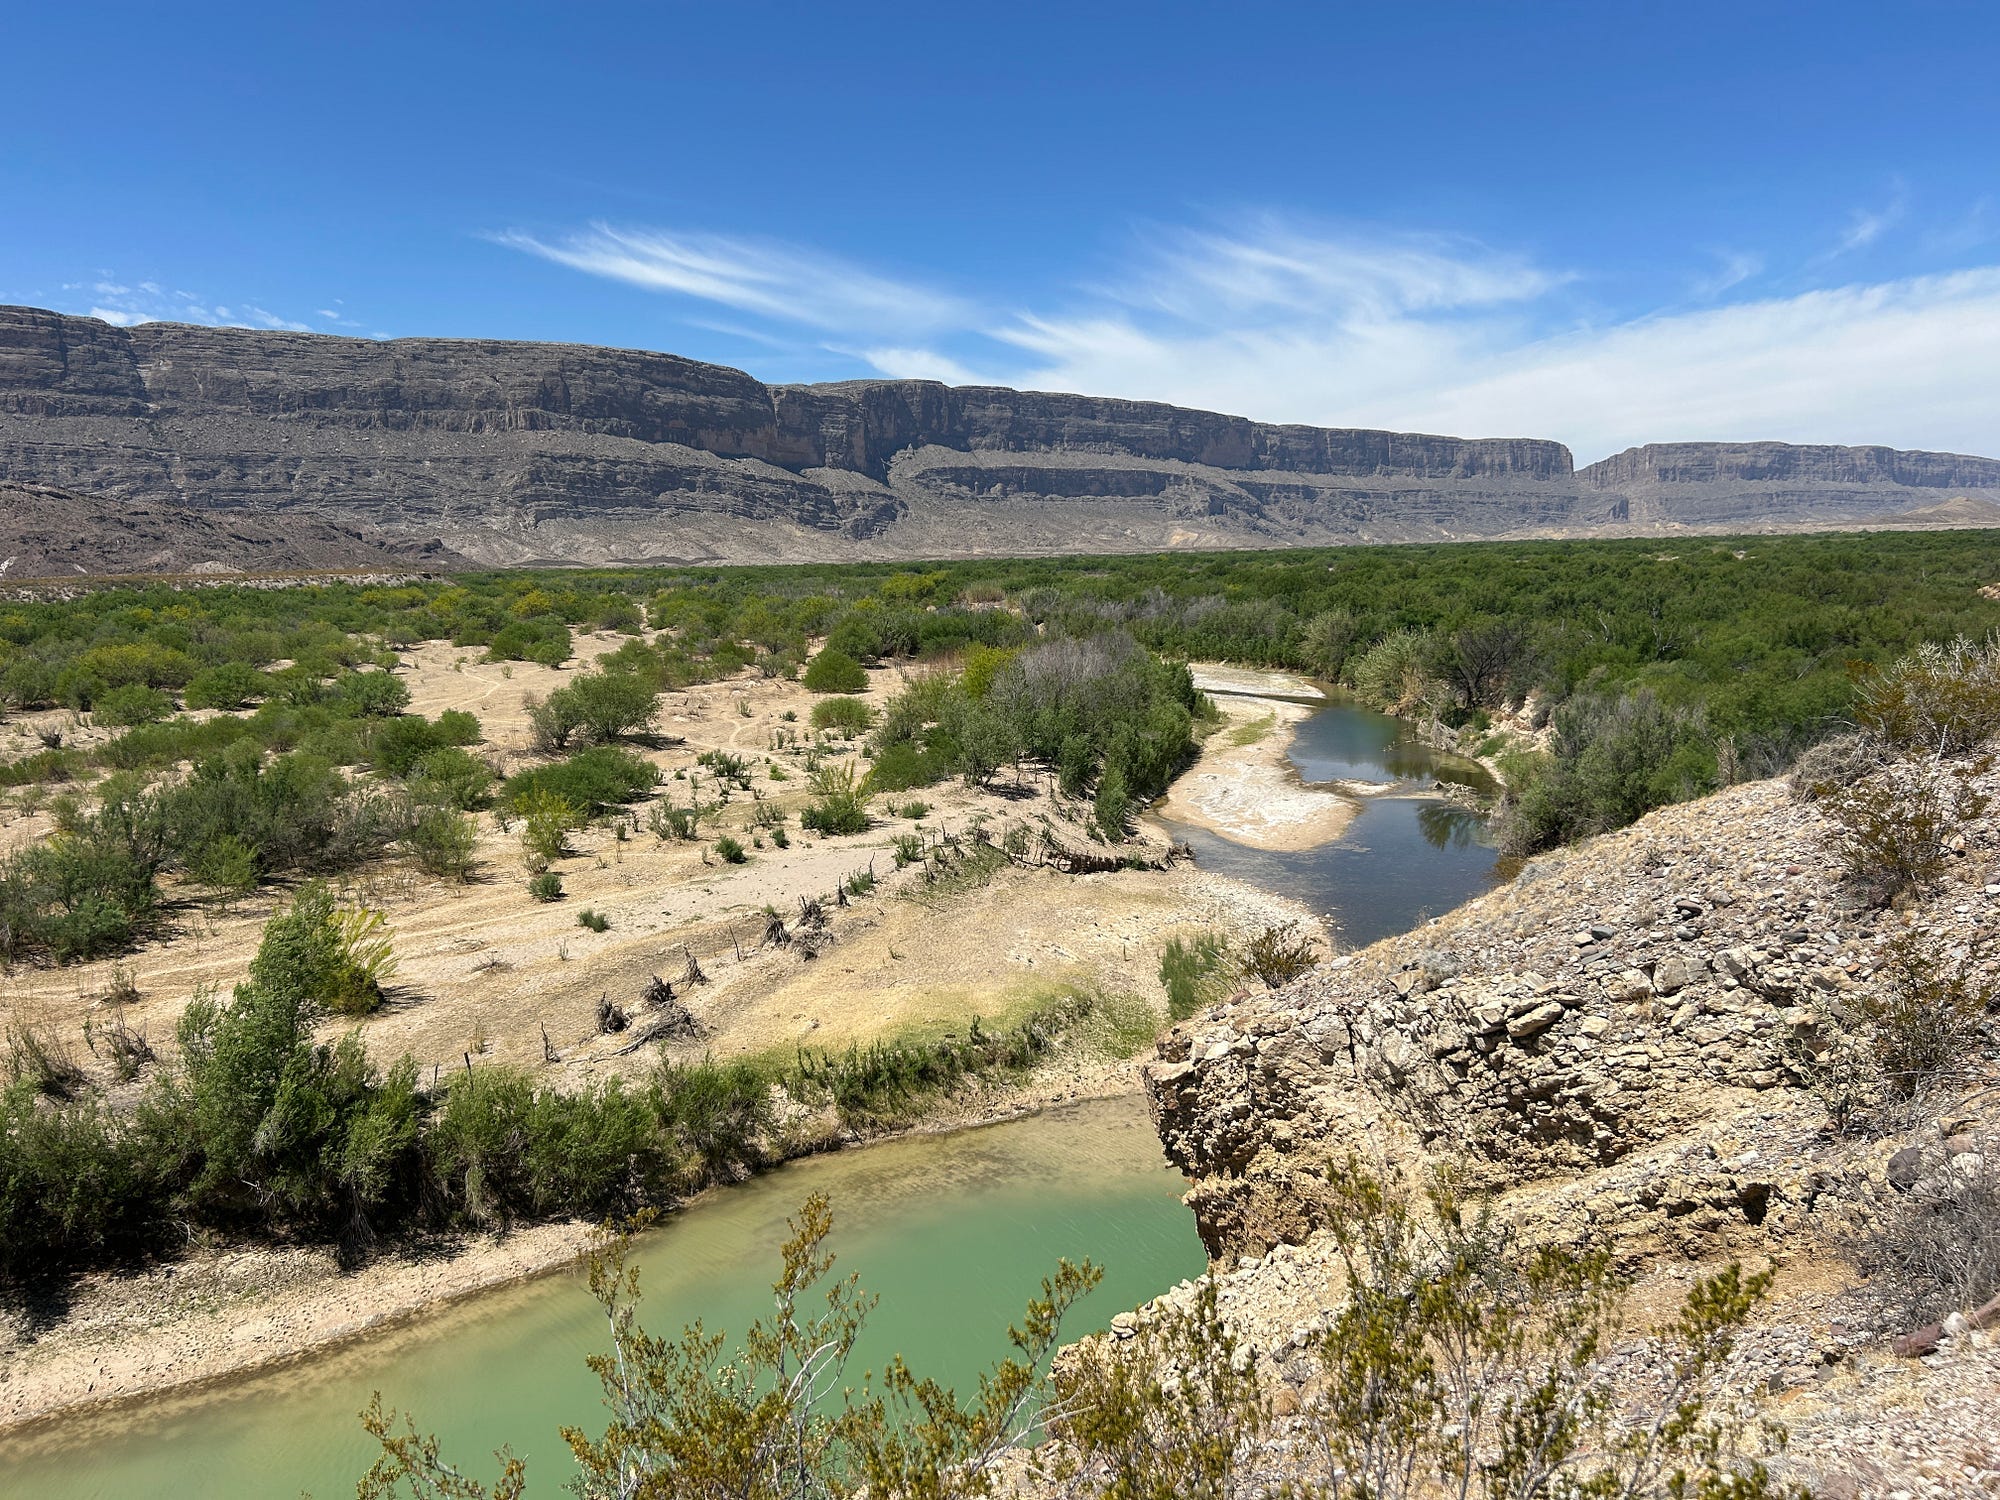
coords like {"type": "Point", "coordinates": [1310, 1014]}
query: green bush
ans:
{"type": "Point", "coordinates": [228, 686]}
{"type": "Point", "coordinates": [327, 956]}
{"type": "Point", "coordinates": [591, 780]}
{"type": "Point", "coordinates": [596, 921]}
{"type": "Point", "coordinates": [441, 840]}
{"type": "Point", "coordinates": [547, 819]}
{"type": "Point", "coordinates": [131, 704]}
{"type": "Point", "coordinates": [452, 777]}
{"type": "Point", "coordinates": [546, 886]}
{"type": "Point", "coordinates": [730, 850]}
{"type": "Point", "coordinates": [1196, 972]}
{"type": "Point", "coordinates": [834, 671]}
{"type": "Point", "coordinates": [843, 716]}
{"type": "Point", "coordinates": [545, 640]}
{"type": "Point", "coordinates": [372, 695]}
{"type": "Point", "coordinates": [1611, 761]}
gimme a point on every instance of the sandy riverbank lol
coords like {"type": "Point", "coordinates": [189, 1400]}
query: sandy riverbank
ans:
{"type": "Point", "coordinates": [1244, 786]}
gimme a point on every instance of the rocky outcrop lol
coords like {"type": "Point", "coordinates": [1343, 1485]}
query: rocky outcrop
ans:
{"type": "Point", "coordinates": [1628, 1027]}
{"type": "Point", "coordinates": [1723, 484]}
{"type": "Point", "coordinates": [53, 534]}
{"type": "Point", "coordinates": [517, 453]}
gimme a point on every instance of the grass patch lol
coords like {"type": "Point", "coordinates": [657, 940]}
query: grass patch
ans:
{"type": "Point", "coordinates": [1255, 730]}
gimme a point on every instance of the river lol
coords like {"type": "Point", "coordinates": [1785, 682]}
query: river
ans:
{"type": "Point", "coordinates": [954, 1231]}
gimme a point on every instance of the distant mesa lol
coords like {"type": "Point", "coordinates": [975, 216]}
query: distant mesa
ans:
{"type": "Point", "coordinates": [512, 454]}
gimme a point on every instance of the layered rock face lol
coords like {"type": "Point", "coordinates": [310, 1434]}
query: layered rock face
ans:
{"type": "Point", "coordinates": [516, 453]}
{"type": "Point", "coordinates": [522, 453]}
{"type": "Point", "coordinates": [1724, 484]}
{"type": "Point", "coordinates": [52, 534]}
{"type": "Point", "coordinates": [1626, 1032]}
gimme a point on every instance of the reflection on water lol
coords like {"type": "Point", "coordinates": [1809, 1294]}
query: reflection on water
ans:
{"type": "Point", "coordinates": [1408, 855]}
{"type": "Point", "coordinates": [955, 1232]}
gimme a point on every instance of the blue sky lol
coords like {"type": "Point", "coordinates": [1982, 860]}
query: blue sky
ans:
{"type": "Point", "coordinates": [1606, 223]}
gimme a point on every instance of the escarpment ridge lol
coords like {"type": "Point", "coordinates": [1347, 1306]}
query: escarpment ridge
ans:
{"type": "Point", "coordinates": [512, 453]}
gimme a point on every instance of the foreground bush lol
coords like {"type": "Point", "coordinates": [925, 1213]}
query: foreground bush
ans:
{"type": "Point", "coordinates": [1461, 1363]}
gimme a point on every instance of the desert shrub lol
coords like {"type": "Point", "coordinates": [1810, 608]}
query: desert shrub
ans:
{"type": "Point", "coordinates": [727, 765]}
{"type": "Point", "coordinates": [905, 766]}
{"type": "Point", "coordinates": [717, 1114]}
{"type": "Point", "coordinates": [915, 808]}
{"type": "Point", "coordinates": [334, 957]}
{"type": "Point", "coordinates": [859, 882]}
{"type": "Point", "coordinates": [1278, 955]}
{"type": "Point", "coordinates": [546, 886]}
{"type": "Point", "coordinates": [1111, 809]}
{"type": "Point", "coordinates": [591, 780]}
{"type": "Point", "coordinates": [547, 820]}
{"type": "Point", "coordinates": [1196, 972]}
{"type": "Point", "coordinates": [1460, 1361]}
{"type": "Point", "coordinates": [730, 851]}
{"type": "Point", "coordinates": [843, 716]}
{"type": "Point", "coordinates": [1922, 1013]}
{"type": "Point", "coordinates": [229, 685]}
{"type": "Point", "coordinates": [90, 889]}
{"type": "Point", "coordinates": [597, 707]}
{"type": "Point", "coordinates": [372, 695]}
{"type": "Point", "coordinates": [907, 849]}
{"type": "Point", "coordinates": [441, 840]}
{"type": "Point", "coordinates": [596, 921]}
{"type": "Point", "coordinates": [450, 776]}
{"type": "Point", "coordinates": [76, 1187]}
{"type": "Point", "coordinates": [1835, 762]}
{"type": "Point", "coordinates": [477, 1146]}
{"type": "Point", "coordinates": [41, 1059]}
{"type": "Point", "coordinates": [1934, 1249]}
{"type": "Point", "coordinates": [1939, 700]}
{"type": "Point", "coordinates": [839, 802]}
{"type": "Point", "coordinates": [544, 639]}
{"type": "Point", "coordinates": [131, 704]}
{"type": "Point", "coordinates": [1890, 828]}
{"type": "Point", "coordinates": [1610, 762]}
{"type": "Point", "coordinates": [669, 820]}
{"type": "Point", "coordinates": [834, 671]}
{"type": "Point", "coordinates": [1393, 675]}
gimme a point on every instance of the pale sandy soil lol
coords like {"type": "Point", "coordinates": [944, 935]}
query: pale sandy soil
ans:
{"type": "Point", "coordinates": [1244, 786]}
{"type": "Point", "coordinates": [486, 971]}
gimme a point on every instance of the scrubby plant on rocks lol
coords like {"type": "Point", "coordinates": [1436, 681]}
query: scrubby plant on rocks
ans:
{"type": "Point", "coordinates": [1278, 955]}
{"type": "Point", "coordinates": [1891, 829]}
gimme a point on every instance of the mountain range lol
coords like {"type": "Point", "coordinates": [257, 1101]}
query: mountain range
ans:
{"type": "Point", "coordinates": [175, 447]}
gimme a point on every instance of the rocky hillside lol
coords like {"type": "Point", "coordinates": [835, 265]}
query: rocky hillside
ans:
{"type": "Point", "coordinates": [1756, 484]}
{"type": "Point", "coordinates": [516, 453]}
{"type": "Point", "coordinates": [1624, 1045]}
{"type": "Point", "coordinates": [51, 533]}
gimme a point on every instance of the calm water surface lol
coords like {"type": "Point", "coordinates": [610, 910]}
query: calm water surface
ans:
{"type": "Point", "coordinates": [954, 1232]}
{"type": "Point", "coordinates": [1409, 854]}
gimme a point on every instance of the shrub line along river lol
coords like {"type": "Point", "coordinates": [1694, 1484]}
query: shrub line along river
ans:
{"type": "Point", "coordinates": [954, 1231]}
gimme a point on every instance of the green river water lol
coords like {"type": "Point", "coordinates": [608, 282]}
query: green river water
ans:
{"type": "Point", "coordinates": [954, 1232]}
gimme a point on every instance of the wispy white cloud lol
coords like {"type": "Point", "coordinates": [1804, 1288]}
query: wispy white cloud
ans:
{"type": "Point", "coordinates": [1732, 269]}
{"type": "Point", "coordinates": [129, 304]}
{"type": "Point", "coordinates": [782, 282]}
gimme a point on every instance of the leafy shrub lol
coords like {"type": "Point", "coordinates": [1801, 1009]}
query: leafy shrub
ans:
{"type": "Point", "coordinates": [668, 820]}
{"type": "Point", "coordinates": [372, 695]}
{"type": "Point", "coordinates": [1889, 829]}
{"type": "Point", "coordinates": [547, 819]}
{"type": "Point", "coordinates": [1611, 761]}
{"type": "Point", "coordinates": [1111, 809]}
{"type": "Point", "coordinates": [591, 780]}
{"type": "Point", "coordinates": [596, 921]}
{"type": "Point", "coordinates": [451, 777]}
{"type": "Point", "coordinates": [730, 850]}
{"type": "Point", "coordinates": [1939, 700]}
{"type": "Point", "coordinates": [546, 886]}
{"type": "Point", "coordinates": [843, 716]}
{"type": "Point", "coordinates": [916, 808]}
{"type": "Point", "coordinates": [599, 706]}
{"type": "Point", "coordinates": [1278, 955]}
{"type": "Point", "coordinates": [1196, 972]}
{"type": "Point", "coordinates": [441, 840]}
{"type": "Point", "coordinates": [1921, 1015]}
{"type": "Point", "coordinates": [840, 802]}
{"type": "Point", "coordinates": [335, 957]}
{"type": "Point", "coordinates": [907, 849]}
{"type": "Point", "coordinates": [1393, 675]}
{"type": "Point", "coordinates": [859, 882]}
{"type": "Point", "coordinates": [544, 639]}
{"type": "Point", "coordinates": [132, 704]}
{"type": "Point", "coordinates": [230, 685]}
{"type": "Point", "coordinates": [905, 766]}
{"type": "Point", "coordinates": [834, 671]}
